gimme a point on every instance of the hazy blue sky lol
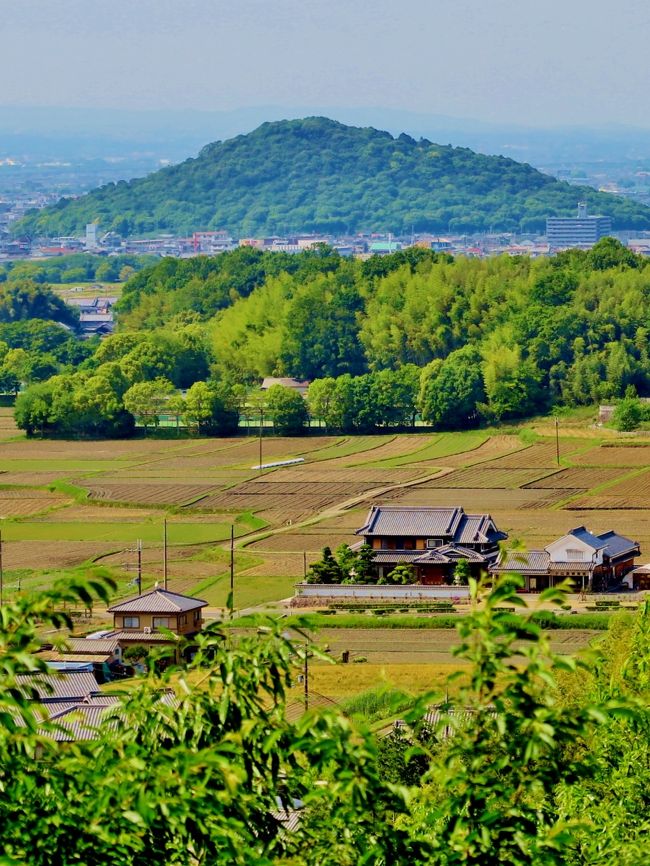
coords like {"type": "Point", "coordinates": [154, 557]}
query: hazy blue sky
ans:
{"type": "Point", "coordinates": [542, 63]}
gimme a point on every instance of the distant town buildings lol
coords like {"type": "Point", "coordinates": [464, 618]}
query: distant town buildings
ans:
{"type": "Point", "coordinates": [582, 230]}
{"type": "Point", "coordinates": [579, 231]}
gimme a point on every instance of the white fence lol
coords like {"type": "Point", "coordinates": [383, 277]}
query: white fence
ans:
{"type": "Point", "coordinates": [370, 591]}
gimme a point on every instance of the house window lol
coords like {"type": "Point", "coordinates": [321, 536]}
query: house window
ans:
{"type": "Point", "coordinates": [434, 542]}
{"type": "Point", "coordinates": [183, 620]}
{"type": "Point", "coordinates": [574, 555]}
{"type": "Point", "coordinates": [197, 615]}
{"type": "Point", "coordinates": [161, 622]}
{"type": "Point", "coordinates": [131, 622]}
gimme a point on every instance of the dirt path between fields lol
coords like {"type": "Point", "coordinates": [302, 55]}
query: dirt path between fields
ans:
{"type": "Point", "coordinates": [333, 510]}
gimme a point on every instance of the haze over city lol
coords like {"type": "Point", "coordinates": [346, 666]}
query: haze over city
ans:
{"type": "Point", "coordinates": [553, 64]}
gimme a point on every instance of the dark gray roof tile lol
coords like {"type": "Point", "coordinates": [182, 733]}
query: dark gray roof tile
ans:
{"type": "Point", "coordinates": [74, 684]}
{"type": "Point", "coordinates": [523, 562]}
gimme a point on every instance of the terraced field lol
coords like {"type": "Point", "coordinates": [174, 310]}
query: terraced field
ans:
{"type": "Point", "coordinates": [82, 504]}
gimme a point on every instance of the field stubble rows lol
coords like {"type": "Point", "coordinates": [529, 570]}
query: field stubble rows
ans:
{"type": "Point", "coordinates": [132, 485]}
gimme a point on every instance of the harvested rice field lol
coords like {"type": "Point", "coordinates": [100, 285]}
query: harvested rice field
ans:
{"type": "Point", "coordinates": [78, 505]}
{"type": "Point", "coordinates": [486, 476]}
{"type": "Point", "coordinates": [615, 455]}
{"type": "Point", "coordinates": [578, 478]}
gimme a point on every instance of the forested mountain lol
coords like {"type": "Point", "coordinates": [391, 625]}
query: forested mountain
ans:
{"type": "Point", "coordinates": [320, 175]}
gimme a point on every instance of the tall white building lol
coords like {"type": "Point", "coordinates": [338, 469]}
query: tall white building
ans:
{"type": "Point", "coordinates": [580, 231]}
{"type": "Point", "coordinates": [91, 236]}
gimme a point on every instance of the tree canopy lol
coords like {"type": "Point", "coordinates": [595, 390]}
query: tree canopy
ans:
{"type": "Point", "coordinates": [455, 343]}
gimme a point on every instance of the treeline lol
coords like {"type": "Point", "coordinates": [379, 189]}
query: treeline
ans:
{"type": "Point", "coordinates": [75, 268]}
{"type": "Point", "coordinates": [456, 343]}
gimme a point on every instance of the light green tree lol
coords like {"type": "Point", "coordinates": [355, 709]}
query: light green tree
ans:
{"type": "Point", "coordinates": [146, 401]}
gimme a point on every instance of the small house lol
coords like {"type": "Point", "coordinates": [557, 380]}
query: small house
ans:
{"type": "Point", "coordinates": [140, 619]}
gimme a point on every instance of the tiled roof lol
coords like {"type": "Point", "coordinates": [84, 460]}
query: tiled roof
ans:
{"type": "Point", "coordinates": [411, 520]}
{"type": "Point", "coordinates": [565, 565]}
{"type": "Point", "coordinates": [158, 601]}
{"type": "Point", "coordinates": [93, 658]}
{"type": "Point", "coordinates": [446, 720]}
{"type": "Point", "coordinates": [478, 529]}
{"type": "Point", "coordinates": [289, 818]}
{"type": "Point", "coordinates": [388, 556]}
{"type": "Point", "coordinates": [145, 636]}
{"type": "Point", "coordinates": [90, 645]}
{"type": "Point", "coordinates": [589, 538]}
{"type": "Point", "coordinates": [431, 522]}
{"type": "Point", "coordinates": [80, 722]}
{"type": "Point", "coordinates": [523, 562]}
{"type": "Point", "coordinates": [616, 544]}
{"type": "Point", "coordinates": [75, 684]}
{"type": "Point", "coordinates": [450, 553]}
{"type": "Point", "coordinates": [47, 709]}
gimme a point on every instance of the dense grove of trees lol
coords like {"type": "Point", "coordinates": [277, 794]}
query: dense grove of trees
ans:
{"type": "Point", "coordinates": [457, 343]}
{"type": "Point", "coordinates": [319, 175]}
{"type": "Point", "coordinates": [75, 268]}
{"type": "Point", "coordinates": [545, 762]}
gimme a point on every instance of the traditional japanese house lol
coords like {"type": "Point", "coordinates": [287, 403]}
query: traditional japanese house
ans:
{"type": "Point", "coordinates": [589, 561]}
{"type": "Point", "coordinates": [433, 540]}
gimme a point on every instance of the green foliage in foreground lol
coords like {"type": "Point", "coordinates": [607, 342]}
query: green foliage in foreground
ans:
{"type": "Point", "coordinates": [548, 764]}
{"type": "Point", "coordinates": [319, 175]}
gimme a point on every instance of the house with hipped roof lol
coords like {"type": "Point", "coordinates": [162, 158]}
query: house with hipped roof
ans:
{"type": "Point", "coordinates": [143, 618]}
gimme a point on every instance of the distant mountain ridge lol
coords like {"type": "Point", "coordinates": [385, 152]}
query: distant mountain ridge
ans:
{"type": "Point", "coordinates": [320, 175]}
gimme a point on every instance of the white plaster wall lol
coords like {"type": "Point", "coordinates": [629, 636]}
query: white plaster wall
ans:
{"type": "Point", "coordinates": [363, 591]}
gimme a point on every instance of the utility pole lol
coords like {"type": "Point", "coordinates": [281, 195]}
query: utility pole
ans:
{"type": "Point", "coordinates": [139, 549]}
{"type": "Point", "coordinates": [231, 598]}
{"type": "Point", "coordinates": [557, 440]}
{"type": "Point", "coordinates": [305, 676]}
{"type": "Point", "coordinates": [304, 564]}
{"type": "Point", "coordinates": [165, 552]}
{"type": "Point", "coordinates": [261, 434]}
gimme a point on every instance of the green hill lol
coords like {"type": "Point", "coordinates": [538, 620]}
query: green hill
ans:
{"type": "Point", "coordinates": [320, 175]}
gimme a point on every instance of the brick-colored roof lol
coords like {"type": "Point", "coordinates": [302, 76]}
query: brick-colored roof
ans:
{"type": "Point", "coordinates": [158, 601]}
